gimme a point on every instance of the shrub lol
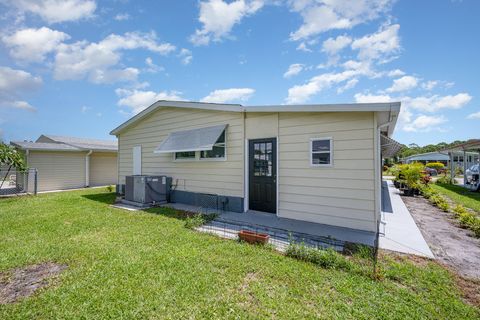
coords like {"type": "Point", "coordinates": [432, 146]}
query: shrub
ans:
{"type": "Point", "coordinates": [324, 258]}
{"type": "Point", "coordinates": [109, 188]}
{"type": "Point", "coordinates": [444, 206]}
{"type": "Point", "coordinates": [194, 222]}
{"type": "Point", "coordinates": [458, 210]}
{"type": "Point", "coordinates": [435, 165]}
{"type": "Point", "coordinates": [444, 180]}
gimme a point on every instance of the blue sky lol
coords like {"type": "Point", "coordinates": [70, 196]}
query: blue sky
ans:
{"type": "Point", "coordinates": [81, 67]}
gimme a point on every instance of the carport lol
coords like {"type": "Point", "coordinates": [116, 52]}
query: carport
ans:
{"type": "Point", "coordinates": [471, 146]}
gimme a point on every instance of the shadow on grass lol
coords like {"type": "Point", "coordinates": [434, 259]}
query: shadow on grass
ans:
{"type": "Point", "coordinates": [461, 191]}
{"type": "Point", "coordinates": [107, 198]}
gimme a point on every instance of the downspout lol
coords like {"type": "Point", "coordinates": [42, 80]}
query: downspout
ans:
{"type": "Point", "coordinates": [378, 176]}
{"type": "Point", "coordinates": [87, 168]}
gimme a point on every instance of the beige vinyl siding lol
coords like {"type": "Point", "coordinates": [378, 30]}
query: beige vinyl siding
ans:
{"type": "Point", "coordinates": [103, 168]}
{"type": "Point", "coordinates": [205, 176]}
{"type": "Point", "coordinates": [58, 170]}
{"type": "Point", "coordinates": [341, 195]}
{"type": "Point", "coordinates": [261, 125]}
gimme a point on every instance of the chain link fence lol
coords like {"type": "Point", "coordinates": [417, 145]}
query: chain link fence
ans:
{"type": "Point", "coordinates": [14, 182]}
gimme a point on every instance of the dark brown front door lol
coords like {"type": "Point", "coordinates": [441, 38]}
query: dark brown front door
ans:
{"type": "Point", "coordinates": [263, 175]}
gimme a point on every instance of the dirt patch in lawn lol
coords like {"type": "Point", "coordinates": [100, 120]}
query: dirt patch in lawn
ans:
{"type": "Point", "coordinates": [23, 282]}
{"type": "Point", "coordinates": [451, 245]}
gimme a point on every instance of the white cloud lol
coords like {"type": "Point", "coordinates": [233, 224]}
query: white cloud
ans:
{"type": "Point", "coordinates": [152, 67]}
{"type": "Point", "coordinates": [32, 45]}
{"type": "Point", "coordinates": [349, 85]}
{"type": "Point", "coordinates": [370, 98]}
{"type": "Point", "coordinates": [424, 123]}
{"type": "Point", "coordinates": [84, 109]}
{"type": "Point", "coordinates": [293, 70]}
{"type": "Point", "coordinates": [379, 45]}
{"type": "Point", "coordinates": [430, 85]}
{"type": "Point", "coordinates": [332, 46]}
{"type": "Point", "coordinates": [403, 84]}
{"type": "Point", "coordinates": [323, 15]}
{"type": "Point", "coordinates": [138, 100]}
{"type": "Point", "coordinates": [353, 69]}
{"type": "Point", "coordinates": [395, 73]}
{"type": "Point", "coordinates": [410, 122]}
{"type": "Point", "coordinates": [122, 17]}
{"type": "Point", "coordinates": [229, 95]}
{"type": "Point", "coordinates": [218, 18]}
{"type": "Point", "coordinates": [53, 11]}
{"type": "Point", "coordinates": [435, 103]}
{"type": "Point", "coordinates": [303, 47]}
{"type": "Point", "coordinates": [96, 61]}
{"type": "Point", "coordinates": [186, 56]}
{"type": "Point", "coordinates": [14, 85]}
{"type": "Point", "coordinates": [475, 115]}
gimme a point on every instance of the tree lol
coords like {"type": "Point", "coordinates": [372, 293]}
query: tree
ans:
{"type": "Point", "coordinates": [10, 157]}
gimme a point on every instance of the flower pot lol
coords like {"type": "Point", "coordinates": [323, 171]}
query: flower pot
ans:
{"type": "Point", "coordinates": [409, 192]}
{"type": "Point", "coordinates": [253, 237]}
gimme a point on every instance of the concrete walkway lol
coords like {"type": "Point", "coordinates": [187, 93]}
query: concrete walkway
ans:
{"type": "Point", "coordinates": [398, 230]}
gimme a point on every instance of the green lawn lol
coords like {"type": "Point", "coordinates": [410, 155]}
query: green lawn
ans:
{"type": "Point", "coordinates": [148, 265]}
{"type": "Point", "coordinates": [460, 195]}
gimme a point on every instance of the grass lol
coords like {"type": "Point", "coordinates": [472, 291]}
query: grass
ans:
{"type": "Point", "coordinates": [459, 195]}
{"type": "Point", "coordinates": [124, 264]}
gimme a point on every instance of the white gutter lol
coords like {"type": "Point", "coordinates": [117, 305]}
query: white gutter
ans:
{"type": "Point", "coordinates": [87, 168]}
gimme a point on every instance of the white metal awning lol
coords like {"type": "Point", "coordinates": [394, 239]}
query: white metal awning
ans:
{"type": "Point", "coordinates": [389, 146]}
{"type": "Point", "coordinates": [191, 140]}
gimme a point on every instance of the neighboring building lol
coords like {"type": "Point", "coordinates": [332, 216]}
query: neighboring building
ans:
{"type": "Point", "coordinates": [444, 158]}
{"type": "Point", "coordinates": [318, 163]}
{"type": "Point", "coordinates": [68, 162]}
{"type": "Point", "coordinates": [428, 157]}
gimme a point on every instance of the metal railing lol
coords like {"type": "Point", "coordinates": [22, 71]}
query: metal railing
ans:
{"type": "Point", "coordinates": [14, 182]}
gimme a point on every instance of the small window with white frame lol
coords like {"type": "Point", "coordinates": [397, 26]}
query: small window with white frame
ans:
{"type": "Point", "coordinates": [321, 152]}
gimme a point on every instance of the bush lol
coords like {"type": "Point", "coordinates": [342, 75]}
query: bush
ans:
{"type": "Point", "coordinates": [470, 221]}
{"type": "Point", "coordinates": [194, 222]}
{"type": "Point", "coordinates": [444, 180]}
{"type": "Point", "coordinates": [435, 165]}
{"type": "Point", "coordinates": [324, 258]}
{"type": "Point", "coordinates": [440, 202]}
{"type": "Point", "coordinates": [197, 220]}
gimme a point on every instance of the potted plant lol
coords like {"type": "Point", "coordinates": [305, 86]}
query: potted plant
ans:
{"type": "Point", "coordinates": [253, 237]}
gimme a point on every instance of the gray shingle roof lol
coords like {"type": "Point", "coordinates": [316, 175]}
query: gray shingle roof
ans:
{"type": "Point", "coordinates": [44, 146]}
{"type": "Point", "coordinates": [62, 143]}
{"type": "Point", "coordinates": [84, 143]}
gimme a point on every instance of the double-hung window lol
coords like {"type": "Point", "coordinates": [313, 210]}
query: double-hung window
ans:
{"type": "Point", "coordinates": [321, 152]}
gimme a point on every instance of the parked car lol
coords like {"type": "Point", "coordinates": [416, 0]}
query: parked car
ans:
{"type": "Point", "coordinates": [473, 170]}
{"type": "Point", "coordinates": [431, 172]}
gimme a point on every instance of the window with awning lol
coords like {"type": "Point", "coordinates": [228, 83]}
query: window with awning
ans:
{"type": "Point", "coordinates": [195, 144]}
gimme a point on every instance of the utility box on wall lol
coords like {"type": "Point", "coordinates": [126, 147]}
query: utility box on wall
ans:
{"type": "Point", "coordinates": [147, 189]}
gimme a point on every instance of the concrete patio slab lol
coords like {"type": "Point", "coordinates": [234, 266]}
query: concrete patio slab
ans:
{"type": "Point", "coordinates": [399, 231]}
{"type": "Point", "coordinates": [269, 221]}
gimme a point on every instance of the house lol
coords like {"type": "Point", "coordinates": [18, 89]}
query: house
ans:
{"type": "Point", "coordinates": [318, 163]}
{"type": "Point", "coordinates": [68, 162]}
{"type": "Point", "coordinates": [444, 157]}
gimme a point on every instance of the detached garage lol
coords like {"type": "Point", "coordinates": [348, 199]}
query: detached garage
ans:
{"type": "Point", "coordinates": [68, 162]}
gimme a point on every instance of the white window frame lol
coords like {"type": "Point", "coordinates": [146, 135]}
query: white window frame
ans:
{"type": "Point", "coordinates": [330, 139]}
